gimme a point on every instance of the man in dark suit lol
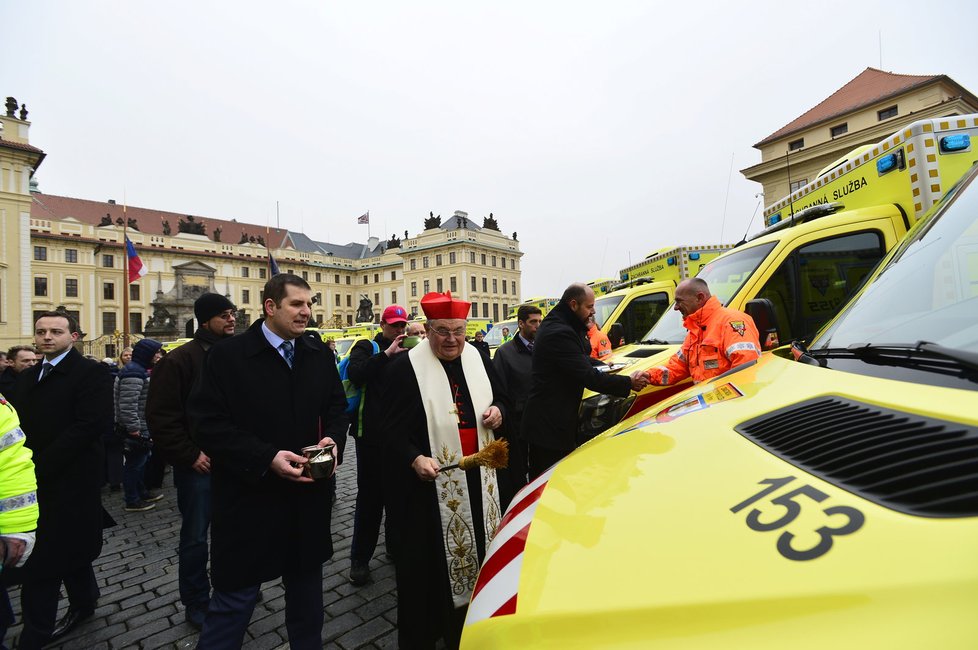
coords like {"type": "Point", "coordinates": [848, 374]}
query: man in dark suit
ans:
{"type": "Point", "coordinates": [65, 406]}
{"type": "Point", "coordinates": [262, 396]}
{"type": "Point", "coordinates": [562, 369]}
{"type": "Point", "coordinates": [366, 370]}
{"type": "Point", "coordinates": [514, 365]}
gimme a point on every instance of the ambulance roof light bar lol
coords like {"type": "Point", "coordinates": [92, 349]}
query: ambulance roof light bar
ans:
{"type": "Point", "coordinates": [808, 214]}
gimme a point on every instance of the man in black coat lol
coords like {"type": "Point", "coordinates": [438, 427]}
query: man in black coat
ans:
{"type": "Point", "coordinates": [166, 416]}
{"type": "Point", "coordinates": [262, 396]}
{"type": "Point", "coordinates": [366, 370]}
{"type": "Point", "coordinates": [479, 343]}
{"type": "Point", "coordinates": [19, 358]}
{"type": "Point", "coordinates": [514, 365]}
{"type": "Point", "coordinates": [562, 369]}
{"type": "Point", "coordinates": [65, 406]}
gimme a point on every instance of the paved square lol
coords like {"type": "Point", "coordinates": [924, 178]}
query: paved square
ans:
{"type": "Point", "coordinates": [140, 603]}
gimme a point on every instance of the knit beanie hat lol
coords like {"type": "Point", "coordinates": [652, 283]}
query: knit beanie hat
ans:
{"type": "Point", "coordinates": [210, 305]}
{"type": "Point", "coordinates": [144, 351]}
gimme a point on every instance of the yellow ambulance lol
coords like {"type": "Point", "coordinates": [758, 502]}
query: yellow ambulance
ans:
{"type": "Point", "coordinates": [819, 497]}
{"type": "Point", "coordinates": [673, 264]}
{"type": "Point", "coordinates": [820, 244]}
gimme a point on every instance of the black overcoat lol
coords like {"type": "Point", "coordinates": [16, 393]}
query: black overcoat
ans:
{"type": "Point", "coordinates": [562, 369]}
{"type": "Point", "coordinates": [247, 405]}
{"type": "Point", "coordinates": [64, 417]}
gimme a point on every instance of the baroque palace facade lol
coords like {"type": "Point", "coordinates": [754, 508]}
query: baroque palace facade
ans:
{"type": "Point", "coordinates": [68, 253]}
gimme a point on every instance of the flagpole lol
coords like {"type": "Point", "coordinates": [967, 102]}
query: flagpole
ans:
{"type": "Point", "coordinates": [368, 226]}
{"type": "Point", "coordinates": [125, 275]}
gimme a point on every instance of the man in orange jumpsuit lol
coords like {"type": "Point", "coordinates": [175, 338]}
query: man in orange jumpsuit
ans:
{"type": "Point", "coordinates": [717, 340]}
{"type": "Point", "coordinates": [600, 345]}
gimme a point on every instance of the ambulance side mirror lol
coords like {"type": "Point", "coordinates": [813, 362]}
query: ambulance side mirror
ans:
{"type": "Point", "coordinates": [761, 311]}
{"type": "Point", "coordinates": [615, 335]}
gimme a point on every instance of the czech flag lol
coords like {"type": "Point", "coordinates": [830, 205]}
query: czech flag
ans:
{"type": "Point", "coordinates": [136, 267]}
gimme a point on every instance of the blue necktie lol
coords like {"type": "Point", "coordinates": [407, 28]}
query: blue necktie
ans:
{"type": "Point", "coordinates": [288, 351]}
{"type": "Point", "coordinates": [46, 370]}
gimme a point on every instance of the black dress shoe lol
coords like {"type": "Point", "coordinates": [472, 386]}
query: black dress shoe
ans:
{"type": "Point", "coordinates": [72, 619]}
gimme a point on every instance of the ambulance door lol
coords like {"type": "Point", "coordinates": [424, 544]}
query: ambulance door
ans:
{"type": "Point", "coordinates": [818, 278]}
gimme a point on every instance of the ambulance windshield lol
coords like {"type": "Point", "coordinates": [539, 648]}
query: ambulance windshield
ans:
{"type": "Point", "coordinates": [927, 295]}
{"type": "Point", "coordinates": [724, 275]}
{"type": "Point", "coordinates": [604, 307]}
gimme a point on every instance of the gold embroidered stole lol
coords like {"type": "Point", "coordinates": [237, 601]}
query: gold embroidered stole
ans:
{"type": "Point", "coordinates": [461, 554]}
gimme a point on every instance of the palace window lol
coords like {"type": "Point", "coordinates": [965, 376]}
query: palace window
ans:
{"type": "Point", "coordinates": [108, 322]}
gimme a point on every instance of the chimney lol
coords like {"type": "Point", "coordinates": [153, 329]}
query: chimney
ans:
{"type": "Point", "coordinates": [111, 201]}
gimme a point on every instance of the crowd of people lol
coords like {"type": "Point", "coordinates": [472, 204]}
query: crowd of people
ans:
{"type": "Point", "coordinates": [241, 419]}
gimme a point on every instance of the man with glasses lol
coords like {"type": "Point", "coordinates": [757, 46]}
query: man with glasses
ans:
{"type": "Point", "coordinates": [447, 405]}
{"type": "Point", "coordinates": [167, 419]}
{"type": "Point", "coordinates": [367, 365]}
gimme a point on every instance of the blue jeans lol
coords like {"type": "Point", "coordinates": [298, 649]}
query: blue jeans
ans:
{"type": "Point", "coordinates": [132, 474]}
{"type": "Point", "coordinates": [194, 502]}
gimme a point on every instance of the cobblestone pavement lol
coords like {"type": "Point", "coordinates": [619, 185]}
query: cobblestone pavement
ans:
{"type": "Point", "coordinates": [140, 603]}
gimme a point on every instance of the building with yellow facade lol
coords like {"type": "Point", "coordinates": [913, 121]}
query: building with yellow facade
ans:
{"type": "Point", "coordinates": [68, 253]}
{"type": "Point", "coordinates": [864, 111]}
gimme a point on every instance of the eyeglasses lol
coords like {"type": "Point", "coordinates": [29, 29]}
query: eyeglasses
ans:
{"type": "Point", "coordinates": [445, 333]}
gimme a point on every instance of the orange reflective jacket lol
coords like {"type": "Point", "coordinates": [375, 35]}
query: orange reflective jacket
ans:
{"type": "Point", "coordinates": [600, 346]}
{"type": "Point", "coordinates": [717, 340]}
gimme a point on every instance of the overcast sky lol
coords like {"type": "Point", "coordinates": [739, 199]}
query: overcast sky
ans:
{"type": "Point", "coordinates": [598, 131]}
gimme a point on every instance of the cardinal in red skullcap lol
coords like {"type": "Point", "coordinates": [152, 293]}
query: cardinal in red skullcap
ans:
{"type": "Point", "coordinates": [444, 402]}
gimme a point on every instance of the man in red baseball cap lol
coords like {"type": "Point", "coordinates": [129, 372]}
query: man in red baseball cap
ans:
{"type": "Point", "coordinates": [448, 404]}
{"type": "Point", "coordinates": [368, 361]}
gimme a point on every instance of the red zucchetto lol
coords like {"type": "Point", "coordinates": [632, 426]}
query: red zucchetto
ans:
{"type": "Point", "coordinates": [442, 305]}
